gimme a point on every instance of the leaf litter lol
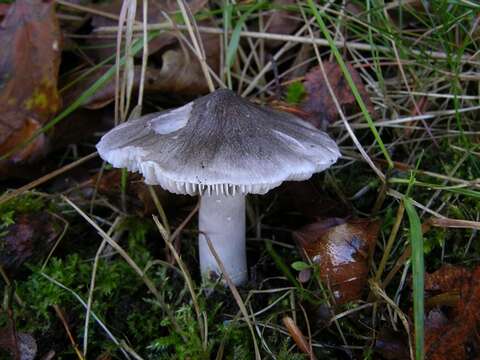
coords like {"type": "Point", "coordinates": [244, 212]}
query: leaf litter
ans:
{"type": "Point", "coordinates": [30, 39]}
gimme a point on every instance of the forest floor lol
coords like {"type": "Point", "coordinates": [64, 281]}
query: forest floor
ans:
{"type": "Point", "coordinates": [375, 258]}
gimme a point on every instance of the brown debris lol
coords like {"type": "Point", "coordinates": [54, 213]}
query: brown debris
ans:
{"type": "Point", "coordinates": [342, 249]}
{"type": "Point", "coordinates": [308, 199]}
{"type": "Point", "coordinates": [392, 345]}
{"type": "Point", "coordinates": [155, 14]}
{"type": "Point", "coordinates": [138, 193]}
{"type": "Point", "coordinates": [281, 21]}
{"type": "Point", "coordinates": [318, 103]}
{"type": "Point", "coordinates": [21, 346]}
{"type": "Point", "coordinates": [31, 237]}
{"type": "Point", "coordinates": [451, 330]}
{"type": "Point", "coordinates": [180, 73]}
{"type": "Point", "coordinates": [29, 62]}
{"type": "Point", "coordinates": [298, 336]}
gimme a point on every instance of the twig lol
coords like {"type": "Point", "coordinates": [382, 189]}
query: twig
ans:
{"type": "Point", "coordinates": [294, 39]}
{"type": "Point", "coordinates": [45, 178]}
{"type": "Point", "coordinates": [59, 313]}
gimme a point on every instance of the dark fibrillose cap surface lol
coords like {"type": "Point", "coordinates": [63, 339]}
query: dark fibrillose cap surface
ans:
{"type": "Point", "coordinates": [219, 143]}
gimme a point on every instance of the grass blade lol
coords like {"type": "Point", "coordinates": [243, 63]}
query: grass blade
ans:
{"type": "Point", "coordinates": [350, 82]}
{"type": "Point", "coordinates": [235, 38]}
{"type": "Point", "coordinates": [418, 270]}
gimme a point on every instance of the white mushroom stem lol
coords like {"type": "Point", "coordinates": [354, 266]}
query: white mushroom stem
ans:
{"type": "Point", "coordinates": [222, 219]}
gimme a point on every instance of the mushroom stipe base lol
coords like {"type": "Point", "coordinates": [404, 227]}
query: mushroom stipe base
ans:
{"type": "Point", "coordinates": [222, 219]}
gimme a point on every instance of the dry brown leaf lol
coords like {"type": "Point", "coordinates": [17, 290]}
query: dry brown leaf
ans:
{"type": "Point", "coordinates": [21, 346]}
{"type": "Point", "coordinates": [318, 103]}
{"type": "Point", "coordinates": [447, 278]}
{"type": "Point", "coordinates": [342, 249]}
{"type": "Point", "coordinates": [311, 202]}
{"type": "Point", "coordinates": [29, 63]}
{"type": "Point", "coordinates": [281, 21]}
{"type": "Point", "coordinates": [137, 191]}
{"type": "Point", "coordinates": [392, 345]}
{"type": "Point", "coordinates": [450, 332]}
{"type": "Point", "coordinates": [180, 74]}
{"type": "Point", "coordinates": [106, 46]}
{"type": "Point", "coordinates": [31, 237]}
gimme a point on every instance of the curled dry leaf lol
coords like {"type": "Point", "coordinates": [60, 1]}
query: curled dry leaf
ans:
{"type": "Point", "coordinates": [29, 63]}
{"type": "Point", "coordinates": [450, 331]}
{"type": "Point", "coordinates": [30, 238]}
{"type": "Point", "coordinates": [318, 103]}
{"type": "Point", "coordinates": [342, 249]}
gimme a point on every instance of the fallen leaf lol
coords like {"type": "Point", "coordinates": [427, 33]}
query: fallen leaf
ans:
{"type": "Point", "coordinates": [29, 63]}
{"type": "Point", "coordinates": [318, 103]}
{"type": "Point", "coordinates": [450, 331]}
{"type": "Point", "coordinates": [104, 45]}
{"type": "Point", "coordinates": [447, 278]}
{"type": "Point", "coordinates": [137, 191]}
{"type": "Point", "coordinates": [30, 238]}
{"type": "Point", "coordinates": [310, 201]}
{"type": "Point", "coordinates": [342, 249]}
{"type": "Point", "coordinates": [392, 345]}
{"type": "Point", "coordinates": [180, 74]}
{"type": "Point", "coordinates": [21, 346]}
{"type": "Point", "coordinates": [281, 21]}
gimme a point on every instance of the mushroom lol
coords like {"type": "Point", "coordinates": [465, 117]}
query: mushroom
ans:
{"type": "Point", "coordinates": [221, 147]}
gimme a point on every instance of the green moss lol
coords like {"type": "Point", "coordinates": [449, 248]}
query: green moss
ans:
{"type": "Point", "coordinates": [295, 92]}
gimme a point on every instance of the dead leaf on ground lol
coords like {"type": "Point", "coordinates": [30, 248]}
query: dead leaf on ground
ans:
{"type": "Point", "coordinates": [318, 103]}
{"type": "Point", "coordinates": [342, 248]}
{"type": "Point", "coordinates": [21, 346]}
{"type": "Point", "coordinates": [30, 238]}
{"type": "Point", "coordinates": [281, 21]}
{"type": "Point", "coordinates": [138, 193]}
{"type": "Point", "coordinates": [105, 45]}
{"type": "Point", "coordinates": [392, 345]}
{"type": "Point", "coordinates": [308, 200]}
{"type": "Point", "coordinates": [29, 63]}
{"type": "Point", "coordinates": [180, 74]}
{"type": "Point", "coordinates": [451, 331]}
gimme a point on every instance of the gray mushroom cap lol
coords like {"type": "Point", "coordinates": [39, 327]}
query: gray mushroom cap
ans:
{"type": "Point", "coordinates": [219, 143]}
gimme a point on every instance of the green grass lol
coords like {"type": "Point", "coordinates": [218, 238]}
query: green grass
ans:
{"type": "Point", "coordinates": [418, 274]}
